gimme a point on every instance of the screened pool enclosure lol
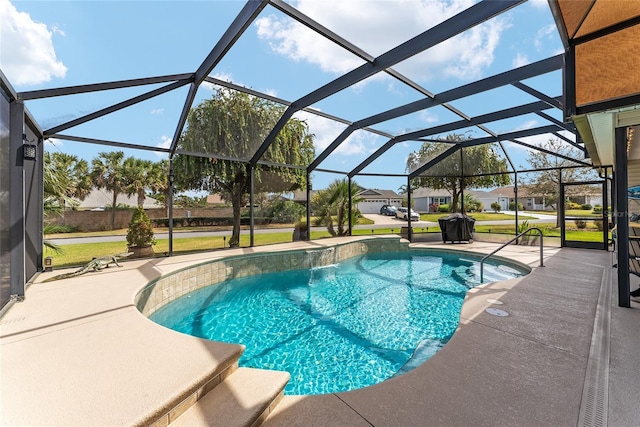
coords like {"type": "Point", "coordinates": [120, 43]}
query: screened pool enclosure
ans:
{"type": "Point", "coordinates": [301, 141]}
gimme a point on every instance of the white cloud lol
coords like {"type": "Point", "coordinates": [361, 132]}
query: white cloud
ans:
{"type": "Point", "coordinates": [378, 27]}
{"type": "Point", "coordinates": [520, 60]}
{"type": "Point", "coordinates": [535, 140]}
{"type": "Point", "coordinates": [271, 92]}
{"type": "Point", "coordinates": [165, 142]}
{"type": "Point", "coordinates": [157, 111]}
{"type": "Point", "coordinates": [428, 117]}
{"type": "Point", "coordinates": [529, 124]}
{"type": "Point", "coordinates": [539, 4]}
{"type": "Point", "coordinates": [545, 36]}
{"type": "Point", "coordinates": [27, 56]}
{"type": "Point", "coordinates": [326, 131]}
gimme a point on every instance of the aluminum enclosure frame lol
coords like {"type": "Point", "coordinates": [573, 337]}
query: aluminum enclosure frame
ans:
{"type": "Point", "coordinates": [467, 19]}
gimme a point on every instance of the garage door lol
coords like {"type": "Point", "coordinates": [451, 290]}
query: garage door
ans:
{"type": "Point", "coordinates": [371, 206]}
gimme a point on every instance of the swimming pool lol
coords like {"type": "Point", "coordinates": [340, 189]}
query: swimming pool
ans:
{"type": "Point", "coordinates": [341, 326]}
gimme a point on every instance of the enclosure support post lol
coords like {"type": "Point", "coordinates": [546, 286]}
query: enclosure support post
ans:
{"type": "Point", "coordinates": [170, 206]}
{"type": "Point", "coordinates": [560, 208]}
{"type": "Point", "coordinates": [16, 200]}
{"type": "Point", "coordinates": [308, 237]}
{"type": "Point", "coordinates": [349, 212]}
{"type": "Point", "coordinates": [622, 204]}
{"type": "Point", "coordinates": [462, 210]}
{"type": "Point", "coordinates": [251, 209]}
{"type": "Point", "coordinates": [515, 198]}
{"type": "Point", "coordinates": [605, 211]}
{"type": "Point", "coordinates": [409, 228]}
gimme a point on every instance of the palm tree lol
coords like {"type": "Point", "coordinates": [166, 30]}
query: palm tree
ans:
{"type": "Point", "coordinates": [55, 197]}
{"type": "Point", "coordinates": [333, 203]}
{"type": "Point", "coordinates": [107, 171]}
{"type": "Point", "coordinates": [136, 174]}
{"type": "Point", "coordinates": [72, 175]}
{"type": "Point", "coordinates": [158, 181]}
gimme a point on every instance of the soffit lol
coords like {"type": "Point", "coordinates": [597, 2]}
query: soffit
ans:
{"type": "Point", "coordinates": [583, 17]}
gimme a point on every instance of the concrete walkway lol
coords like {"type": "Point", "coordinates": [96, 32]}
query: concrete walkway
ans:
{"type": "Point", "coordinates": [78, 353]}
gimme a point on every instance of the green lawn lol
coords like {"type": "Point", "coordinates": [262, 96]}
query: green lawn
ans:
{"type": "Point", "coordinates": [78, 254]}
{"type": "Point", "coordinates": [587, 235]}
{"type": "Point", "coordinates": [478, 216]}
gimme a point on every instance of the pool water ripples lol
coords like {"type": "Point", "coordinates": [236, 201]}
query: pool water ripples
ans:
{"type": "Point", "coordinates": [339, 327]}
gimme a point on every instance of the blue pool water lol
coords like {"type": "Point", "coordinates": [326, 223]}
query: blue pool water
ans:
{"type": "Point", "coordinates": [341, 327]}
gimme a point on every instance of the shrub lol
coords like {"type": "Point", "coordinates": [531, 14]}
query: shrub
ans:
{"type": "Point", "coordinates": [443, 208]}
{"type": "Point", "coordinates": [284, 211]}
{"type": "Point", "coordinates": [512, 206]}
{"type": "Point", "coordinates": [572, 205]}
{"type": "Point", "coordinates": [472, 204]}
{"type": "Point", "coordinates": [140, 232]}
{"type": "Point", "coordinates": [599, 225]}
{"type": "Point", "coordinates": [597, 209]}
{"type": "Point", "coordinates": [56, 229]}
{"type": "Point", "coordinates": [585, 207]}
{"type": "Point", "coordinates": [580, 223]}
{"type": "Point", "coordinates": [496, 207]}
{"type": "Point", "coordinates": [528, 238]}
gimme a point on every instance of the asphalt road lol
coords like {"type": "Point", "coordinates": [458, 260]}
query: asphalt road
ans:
{"type": "Point", "coordinates": [380, 222]}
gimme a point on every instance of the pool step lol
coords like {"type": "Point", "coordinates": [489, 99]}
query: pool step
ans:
{"type": "Point", "coordinates": [245, 398]}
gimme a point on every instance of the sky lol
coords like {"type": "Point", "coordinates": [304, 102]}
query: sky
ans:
{"type": "Point", "coordinates": [51, 44]}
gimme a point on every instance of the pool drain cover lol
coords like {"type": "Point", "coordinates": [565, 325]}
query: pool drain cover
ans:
{"type": "Point", "coordinates": [497, 312]}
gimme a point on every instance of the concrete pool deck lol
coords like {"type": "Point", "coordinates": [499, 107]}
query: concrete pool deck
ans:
{"type": "Point", "coordinates": [77, 352]}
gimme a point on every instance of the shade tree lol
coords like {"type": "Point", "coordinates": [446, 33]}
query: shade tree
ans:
{"type": "Point", "coordinates": [478, 166]}
{"type": "Point", "coordinates": [226, 131]}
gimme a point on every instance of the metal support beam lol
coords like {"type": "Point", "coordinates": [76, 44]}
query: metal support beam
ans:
{"type": "Point", "coordinates": [569, 84]}
{"type": "Point", "coordinates": [622, 214]}
{"type": "Point", "coordinates": [508, 113]}
{"type": "Point", "coordinates": [462, 211]}
{"type": "Point", "coordinates": [335, 144]}
{"type": "Point", "coordinates": [308, 207]}
{"type": "Point", "coordinates": [560, 214]}
{"type": "Point", "coordinates": [170, 197]}
{"type": "Point", "coordinates": [410, 227]}
{"type": "Point", "coordinates": [379, 152]}
{"type": "Point", "coordinates": [74, 90]}
{"type": "Point", "coordinates": [435, 161]}
{"type": "Point", "coordinates": [252, 173]}
{"type": "Point", "coordinates": [349, 210]}
{"type": "Point", "coordinates": [515, 197]}
{"type": "Point", "coordinates": [552, 102]}
{"type": "Point", "coordinates": [16, 242]}
{"type": "Point", "coordinates": [551, 153]}
{"type": "Point", "coordinates": [469, 18]}
{"type": "Point", "coordinates": [116, 107]}
{"type": "Point", "coordinates": [249, 12]}
{"type": "Point", "coordinates": [492, 82]}
{"type": "Point", "coordinates": [193, 89]}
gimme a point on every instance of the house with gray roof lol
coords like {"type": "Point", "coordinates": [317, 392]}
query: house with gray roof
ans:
{"type": "Point", "coordinates": [99, 199]}
{"type": "Point", "coordinates": [373, 199]}
{"type": "Point", "coordinates": [426, 199]}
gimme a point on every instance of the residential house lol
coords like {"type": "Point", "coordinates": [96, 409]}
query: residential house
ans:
{"type": "Point", "coordinates": [536, 202]}
{"type": "Point", "coordinates": [373, 199]}
{"type": "Point", "coordinates": [487, 198]}
{"type": "Point", "coordinates": [427, 199]}
{"type": "Point", "coordinates": [99, 199]}
{"type": "Point", "coordinates": [528, 200]}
